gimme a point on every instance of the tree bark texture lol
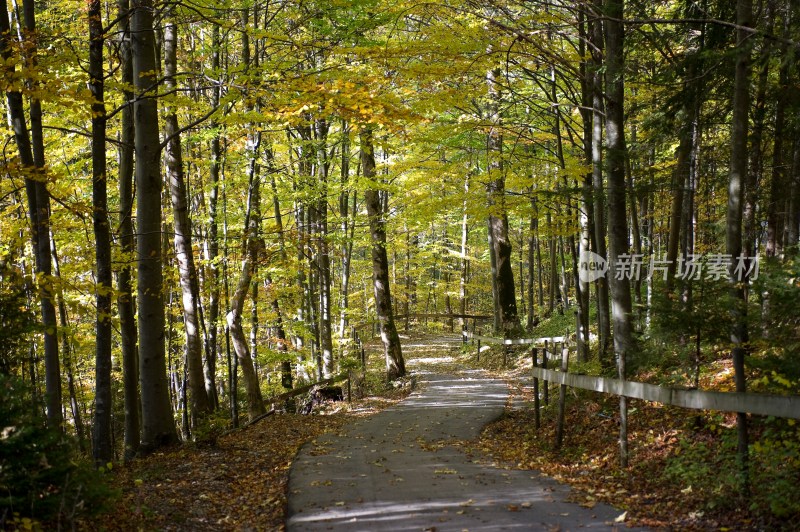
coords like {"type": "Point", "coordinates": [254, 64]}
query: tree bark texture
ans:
{"type": "Point", "coordinates": [158, 425]}
{"type": "Point", "coordinates": [395, 365]}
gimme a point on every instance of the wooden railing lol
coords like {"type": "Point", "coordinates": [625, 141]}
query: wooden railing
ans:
{"type": "Point", "coordinates": [784, 406]}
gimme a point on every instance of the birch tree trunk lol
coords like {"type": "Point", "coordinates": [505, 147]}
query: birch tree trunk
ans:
{"type": "Point", "coordinates": [184, 253]}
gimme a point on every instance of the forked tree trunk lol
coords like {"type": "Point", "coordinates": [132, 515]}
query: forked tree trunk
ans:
{"type": "Point", "coordinates": [255, 401]}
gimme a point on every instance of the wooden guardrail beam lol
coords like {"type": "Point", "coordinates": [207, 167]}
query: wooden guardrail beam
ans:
{"type": "Point", "coordinates": [515, 341]}
{"type": "Point", "coordinates": [751, 403]}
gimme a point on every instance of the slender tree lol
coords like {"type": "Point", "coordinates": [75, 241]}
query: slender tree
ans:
{"type": "Point", "coordinates": [184, 252]}
{"type": "Point", "coordinates": [102, 445]}
{"type": "Point", "coordinates": [621, 305]}
{"type": "Point", "coordinates": [125, 302]}
{"type": "Point", "coordinates": [733, 234]}
{"type": "Point", "coordinates": [30, 146]}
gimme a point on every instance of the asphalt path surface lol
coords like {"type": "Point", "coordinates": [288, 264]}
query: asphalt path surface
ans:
{"type": "Point", "coordinates": [402, 469]}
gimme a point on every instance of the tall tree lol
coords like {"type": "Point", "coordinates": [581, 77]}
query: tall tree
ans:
{"type": "Point", "coordinates": [158, 425]}
{"type": "Point", "coordinates": [184, 252]}
{"type": "Point", "coordinates": [621, 305]}
{"type": "Point", "coordinates": [595, 70]}
{"type": "Point", "coordinates": [30, 146]}
{"type": "Point", "coordinates": [395, 364]}
{"type": "Point", "coordinates": [323, 262]}
{"type": "Point", "coordinates": [125, 303]}
{"type": "Point", "coordinates": [102, 445]}
{"type": "Point", "coordinates": [733, 233]}
{"type": "Point", "coordinates": [212, 248]}
{"type": "Point", "coordinates": [498, 217]}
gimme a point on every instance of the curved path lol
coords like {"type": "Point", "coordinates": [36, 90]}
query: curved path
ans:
{"type": "Point", "coordinates": [399, 470]}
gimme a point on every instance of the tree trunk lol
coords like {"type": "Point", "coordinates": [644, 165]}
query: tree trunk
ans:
{"type": "Point", "coordinates": [497, 324]}
{"type": "Point", "coordinates": [617, 217]}
{"type": "Point", "coordinates": [255, 401]}
{"type": "Point", "coordinates": [102, 445]}
{"type": "Point", "coordinates": [395, 365]}
{"type": "Point", "coordinates": [184, 252]}
{"type": "Point", "coordinates": [31, 154]}
{"type": "Point", "coordinates": [254, 320]}
{"type": "Point", "coordinates": [323, 255]}
{"type": "Point", "coordinates": [531, 320]}
{"type": "Point", "coordinates": [778, 183]}
{"type": "Point", "coordinates": [280, 331]}
{"type": "Point", "coordinates": [595, 69]}
{"type": "Point", "coordinates": [733, 240]}
{"type": "Point", "coordinates": [212, 248]}
{"type": "Point", "coordinates": [753, 177]}
{"type": "Point", "coordinates": [347, 227]}
{"type": "Point", "coordinates": [158, 425]}
{"type": "Point", "coordinates": [125, 303]}
{"type": "Point", "coordinates": [498, 218]}
{"type": "Point", "coordinates": [66, 348]}
{"type": "Point", "coordinates": [464, 266]}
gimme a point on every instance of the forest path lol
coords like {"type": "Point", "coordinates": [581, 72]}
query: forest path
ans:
{"type": "Point", "coordinates": [402, 469]}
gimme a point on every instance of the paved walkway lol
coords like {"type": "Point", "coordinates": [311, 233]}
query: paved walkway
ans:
{"type": "Point", "coordinates": [395, 471]}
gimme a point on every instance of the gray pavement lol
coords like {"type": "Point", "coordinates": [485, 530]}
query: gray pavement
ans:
{"type": "Point", "coordinates": [399, 470]}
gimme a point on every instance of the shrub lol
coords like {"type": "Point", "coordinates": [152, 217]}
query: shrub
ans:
{"type": "Point", "coordinates": [41, 476]}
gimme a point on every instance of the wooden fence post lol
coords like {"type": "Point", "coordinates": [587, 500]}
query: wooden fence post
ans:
{"type": "Point", "coordinates": [562, 396]}
{"type": "Point", "coordinates": [545, 383]}
{"type": "Point", "coordinates": [534, 356]}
